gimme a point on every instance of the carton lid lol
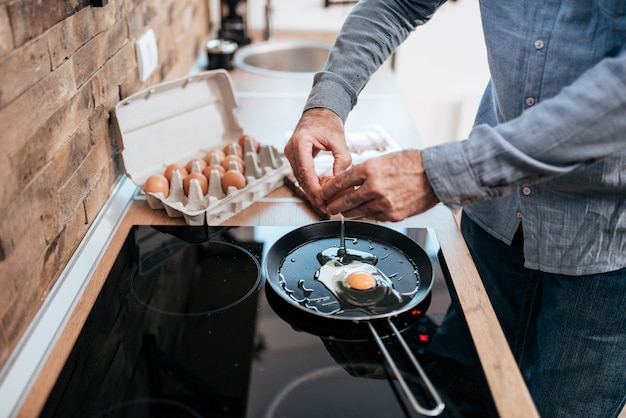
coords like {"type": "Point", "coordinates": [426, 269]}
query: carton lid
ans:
{"type": "Point", "coordinates": [176, 121]}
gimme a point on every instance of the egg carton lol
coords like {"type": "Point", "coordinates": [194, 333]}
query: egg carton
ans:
{"type": "Point", "coordinates": [179, 120]}
{"type": "Point", "coordinates": [264, 171]}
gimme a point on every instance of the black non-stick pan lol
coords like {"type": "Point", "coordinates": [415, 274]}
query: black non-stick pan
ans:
{"type": "Point", "coordinates": [292, 269]}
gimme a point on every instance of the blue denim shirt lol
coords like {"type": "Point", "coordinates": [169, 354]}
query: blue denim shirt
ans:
{"type": "Point", "coordinates": [548, 147]}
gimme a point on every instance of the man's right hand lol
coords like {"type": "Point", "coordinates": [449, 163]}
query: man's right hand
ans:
{"type": "Point", "coordinates": [319, 129]}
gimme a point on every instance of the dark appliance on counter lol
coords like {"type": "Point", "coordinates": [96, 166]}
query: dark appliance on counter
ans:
{"type": "Point", "coordinates": [234, 21]}
{"type": "Point", "coordinates": [186, 326]}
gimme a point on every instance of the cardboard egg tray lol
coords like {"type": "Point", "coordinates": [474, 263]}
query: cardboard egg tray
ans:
{"type": "Point", "coordinates": [264, 172]}
{"type": "Point", "coordinates": [181, 120]}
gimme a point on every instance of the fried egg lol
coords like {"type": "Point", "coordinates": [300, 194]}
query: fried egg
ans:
{"type": "Point", "coordinates": [356, 282]}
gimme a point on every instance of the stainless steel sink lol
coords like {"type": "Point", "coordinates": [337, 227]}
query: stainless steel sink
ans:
{"type": "Point", "coordinates": [283, 58]}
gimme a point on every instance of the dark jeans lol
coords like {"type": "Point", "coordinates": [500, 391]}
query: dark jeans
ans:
{"type": "Point", "coordinates": [568, 333]}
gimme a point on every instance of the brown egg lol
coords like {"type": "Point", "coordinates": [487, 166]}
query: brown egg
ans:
{"type": "Point", "coordinates": [157, 183]}
{"type": "Point", "coordinates": [255, 143]}
{"type": "Point", "coordinates": [226, 162]}
{"type": "Point", "coordinates": [170, 169]}
{"type": "Point", "coordinates": [204, 183]}
{"type": "Point", "coordinates": [233, 149]}
{"type": "Point", "coordinates": [325, 179]}
{"type": "Point", "coordinates": [233, 178]}
{"type": "Point", "coordinates": [207, 170]}
{"type": "Point", "coordinates": [218, 152]}
{"type": "Point", "coordinates": [199, 161]}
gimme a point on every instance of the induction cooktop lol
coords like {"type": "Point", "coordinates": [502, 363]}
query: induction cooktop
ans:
{"type": "Point", "coordinates": [183, 327]}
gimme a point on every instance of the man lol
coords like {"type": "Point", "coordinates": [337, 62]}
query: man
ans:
{"type": "Point", "coordinates": [541, 179]}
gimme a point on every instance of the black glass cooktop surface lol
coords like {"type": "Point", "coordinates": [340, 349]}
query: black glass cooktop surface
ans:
{"type": "Point", "coordinates": [183, 327]}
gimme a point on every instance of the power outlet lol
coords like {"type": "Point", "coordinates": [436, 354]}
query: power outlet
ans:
{"type": "Point", "coordinates": [147, 54]}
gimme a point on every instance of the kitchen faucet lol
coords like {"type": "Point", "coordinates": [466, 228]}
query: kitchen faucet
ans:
{"type": "Point", "coordinates": [268, 29]}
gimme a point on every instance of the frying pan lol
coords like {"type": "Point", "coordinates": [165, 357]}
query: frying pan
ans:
{"type": "Point", "coordinates": [291, 268]}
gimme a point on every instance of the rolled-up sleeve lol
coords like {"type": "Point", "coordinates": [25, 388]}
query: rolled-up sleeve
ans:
{"type": "Point", "coordinates": [371, 33]}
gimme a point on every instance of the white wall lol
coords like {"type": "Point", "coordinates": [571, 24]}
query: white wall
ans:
{"type": "Point", "coordinates": [441, 68]}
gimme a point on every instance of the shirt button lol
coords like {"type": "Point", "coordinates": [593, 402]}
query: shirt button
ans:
{"type": "Point", "coordinates": [526, 190]}
{"type": "Point", "coordinates": [518, 214]}
{"type": "Point", "coordinates": [530, 101]}
{"type": "Point", "coordinates": [539, 44]}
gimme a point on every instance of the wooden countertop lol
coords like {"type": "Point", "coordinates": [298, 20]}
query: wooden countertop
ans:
{"type": "Point", "coordinates": [269, 114]}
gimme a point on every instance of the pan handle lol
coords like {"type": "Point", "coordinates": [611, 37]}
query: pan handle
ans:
{"type": "Point", "coordinates": [394, 368]}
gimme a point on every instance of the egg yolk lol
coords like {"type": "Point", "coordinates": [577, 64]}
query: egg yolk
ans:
{"type": "Point", "coordinates": [361, 280]}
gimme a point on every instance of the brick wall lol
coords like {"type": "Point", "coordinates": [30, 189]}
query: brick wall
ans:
{"type": "Point", "coordinates": [63, 66]}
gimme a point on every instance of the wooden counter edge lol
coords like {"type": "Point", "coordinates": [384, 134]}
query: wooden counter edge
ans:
{"type": "Point", "coordinates": [508, 388]}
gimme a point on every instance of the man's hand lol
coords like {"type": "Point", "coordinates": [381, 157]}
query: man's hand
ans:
{"type": "Point", "coordinates": [318, 130]}
{"type": "Point", "coordinates": [391, 187]}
